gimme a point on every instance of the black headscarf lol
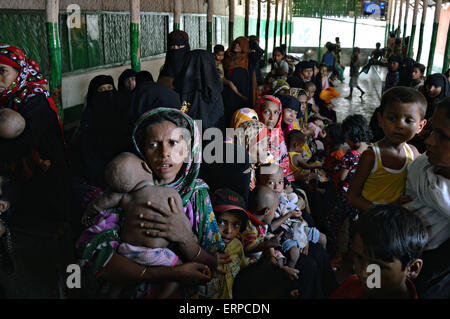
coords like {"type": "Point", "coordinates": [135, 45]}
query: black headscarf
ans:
{"type": "Point", "coordinates": [395, 58]}
{"type": "Point", "coordinates": [438, 80]}
{"type": "Point", "coordinates": [99, 134]}
{"type": "Point", "coordinates": [149, 96]}
{"type": "Point", "coordinates": [229, 173]}
{"type": "Point", "coordinates": [290, 102]}
{"type": "Point", "coordinates": [174, 58]}
{"type": "Point", "coordinates": [296, 80]}
{"type": "Point", "coordinates": [200, 85]}
{"type": "Point", "coordinates": [128, 73]}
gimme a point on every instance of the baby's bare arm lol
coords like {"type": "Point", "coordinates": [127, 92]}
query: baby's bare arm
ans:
{"type": "Point", "coordinates": [108, 200]}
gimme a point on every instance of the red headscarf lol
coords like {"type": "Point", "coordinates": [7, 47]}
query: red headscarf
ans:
{"type": "Point", "coordinates": [28, 83]}
{"type": "Point", "coordinates": [277, 145]}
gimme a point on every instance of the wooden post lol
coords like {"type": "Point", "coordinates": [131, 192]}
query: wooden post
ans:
{"type": "Point", "coordinates": [446, 53]}
{"type": "Point", "coordinates": [413, 28]}
{"type": "Point", "coordinates": [400, 20]}
{"type": "Point", "coordinates": [319, 49]}
{"type": "Point", "coordinates": [258, 21]}
{"type": "Point", "coordinates": [288, 5]}
{"type": "Point", "coordinates": [231, 23]}
{"type": "Point", "coordinates": [209, 26]}
{"type": "Point", "coordinates": [388, 22]}
{"type": "Point", "coordinates": [176, 14]}
{"type": "Point", "coordinates": [135, 36]}
{"type": "Point", "coordinates": [275, 29]}
{"type": "Point", "coordinates": [266, 56]}
{"type": "Point", "coordinates": [291, 25]}
{"type": "Point", "coordinates": [247, 14]}
{"type": "Point", "coordinates": [354, 24]}
{"type": "Point", "coordinates": [437, 15]}
{"type": "Point", "coordinates": [282, 22]}
{"type": "Point", "coordinates": [393, 16]}
{"type": "Point", "coordinates": [422, 27]}
{"type": "Point", "coordinates": [54, 50]}
{"type": "Point", "coordinates": [406, 19]}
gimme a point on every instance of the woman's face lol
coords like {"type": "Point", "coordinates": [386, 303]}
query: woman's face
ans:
{"type": "Point", "coordinates": [278, 56]}
{"type": "Point", "coordinates": [433, 91]}
{"type": "Point", "coordinates": [130, 83]}
{"type": "Point", "coordinates": [308, 74]}
{"type": "Point", "coordinates": [105, 88]}
{"type": "Point", "coordinates": [270, 114]}
{"type": "Point", "coordinates": [237, 48]}
{"type": "Point", "coordinates": [165, 151]}
{"type": "Point", "coordinates": [7, 76]}
{"type": "Point", "coordinates": [310, 92]}
{"type": "Point", "coordinates": [176, 47]}
{"type": "Point", "coordinates": [416, 74]}
{"type": "Point", "coordinates": [289, 116]}
{"type": "Point", "coordinates": [303, 99]}
{"type": "Point", "coordinates": [394, 66]}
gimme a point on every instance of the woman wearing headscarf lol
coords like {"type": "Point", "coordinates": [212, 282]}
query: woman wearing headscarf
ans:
{"type": "Point", "coordinates": [23, 89]}
{"type": "Point", "coordinates": [127, 81]}
{"type": "Point", "coordinates": [239, 65]}
{"type": "Point", "coordinates": [435, 89]}
{"type": "Point", "coordinates": [277, 145]}
{"type": "Point", "coordinates": [200, 88]}
{"type": "Point", "coordinates": [197, 243]}
{"type": "Point", "coordinates": [177, 48]}
{"type": "Point", "coordinates": [243, 115]}
{"type": "Point", "coordinates": [100, 132]}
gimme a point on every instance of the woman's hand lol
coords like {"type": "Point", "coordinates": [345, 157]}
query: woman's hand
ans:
{"type": "Point", "coordinates": [172, 225]}
{"type": "Point", "coordinates": [222, 259]}
{"type": "Point", "coordinates": [193, 273]}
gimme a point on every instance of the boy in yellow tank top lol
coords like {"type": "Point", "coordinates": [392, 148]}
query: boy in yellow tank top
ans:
{"type": "Point", "coordinates": [381, 174]}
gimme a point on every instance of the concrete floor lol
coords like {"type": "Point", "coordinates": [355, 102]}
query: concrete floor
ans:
{"type": "Point", "coordinates": [370, 83]}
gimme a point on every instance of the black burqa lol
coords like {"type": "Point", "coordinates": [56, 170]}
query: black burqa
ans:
{"type": "Point", "coordinates": [200, 85]}
{"type": "Point", "coordinates": [146, 97]}
{"type": "Point", "coordinates": [128, 73]}
{"type": "Point", "coordinates": [99, 134]}
{"type": "Point", "coordinates": [175, 57]}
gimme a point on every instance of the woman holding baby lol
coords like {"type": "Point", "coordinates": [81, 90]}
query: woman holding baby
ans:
{"type": "Point", "coordinates": [169, 142]}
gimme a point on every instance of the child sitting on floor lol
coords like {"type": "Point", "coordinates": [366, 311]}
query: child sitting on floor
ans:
{"type": "Point", "coordinates": [392, 239]}
{"type": "Point", "coordinates": [231, 214]}
{"type": "Point", "coordinates": [12, 124]}
{"type": "Point", "coordinates": [259, 241]}
{"type": "Point", "coordinates": [381, 174]}
{"type": "Point", "coordinates": [132, 189]}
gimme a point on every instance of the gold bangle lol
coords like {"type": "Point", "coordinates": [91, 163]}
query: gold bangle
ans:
{"type": "Point", "coordinates": [143, 272]}
{"type": "Point", "coordinates": [198, 253]}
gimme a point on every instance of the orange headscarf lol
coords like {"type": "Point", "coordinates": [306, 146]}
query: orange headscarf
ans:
{"type": "Point", "coordinates": [237, 60]}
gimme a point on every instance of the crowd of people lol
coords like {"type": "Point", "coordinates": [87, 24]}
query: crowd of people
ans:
{"type": "Point", "coordinates": [292, 195]}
